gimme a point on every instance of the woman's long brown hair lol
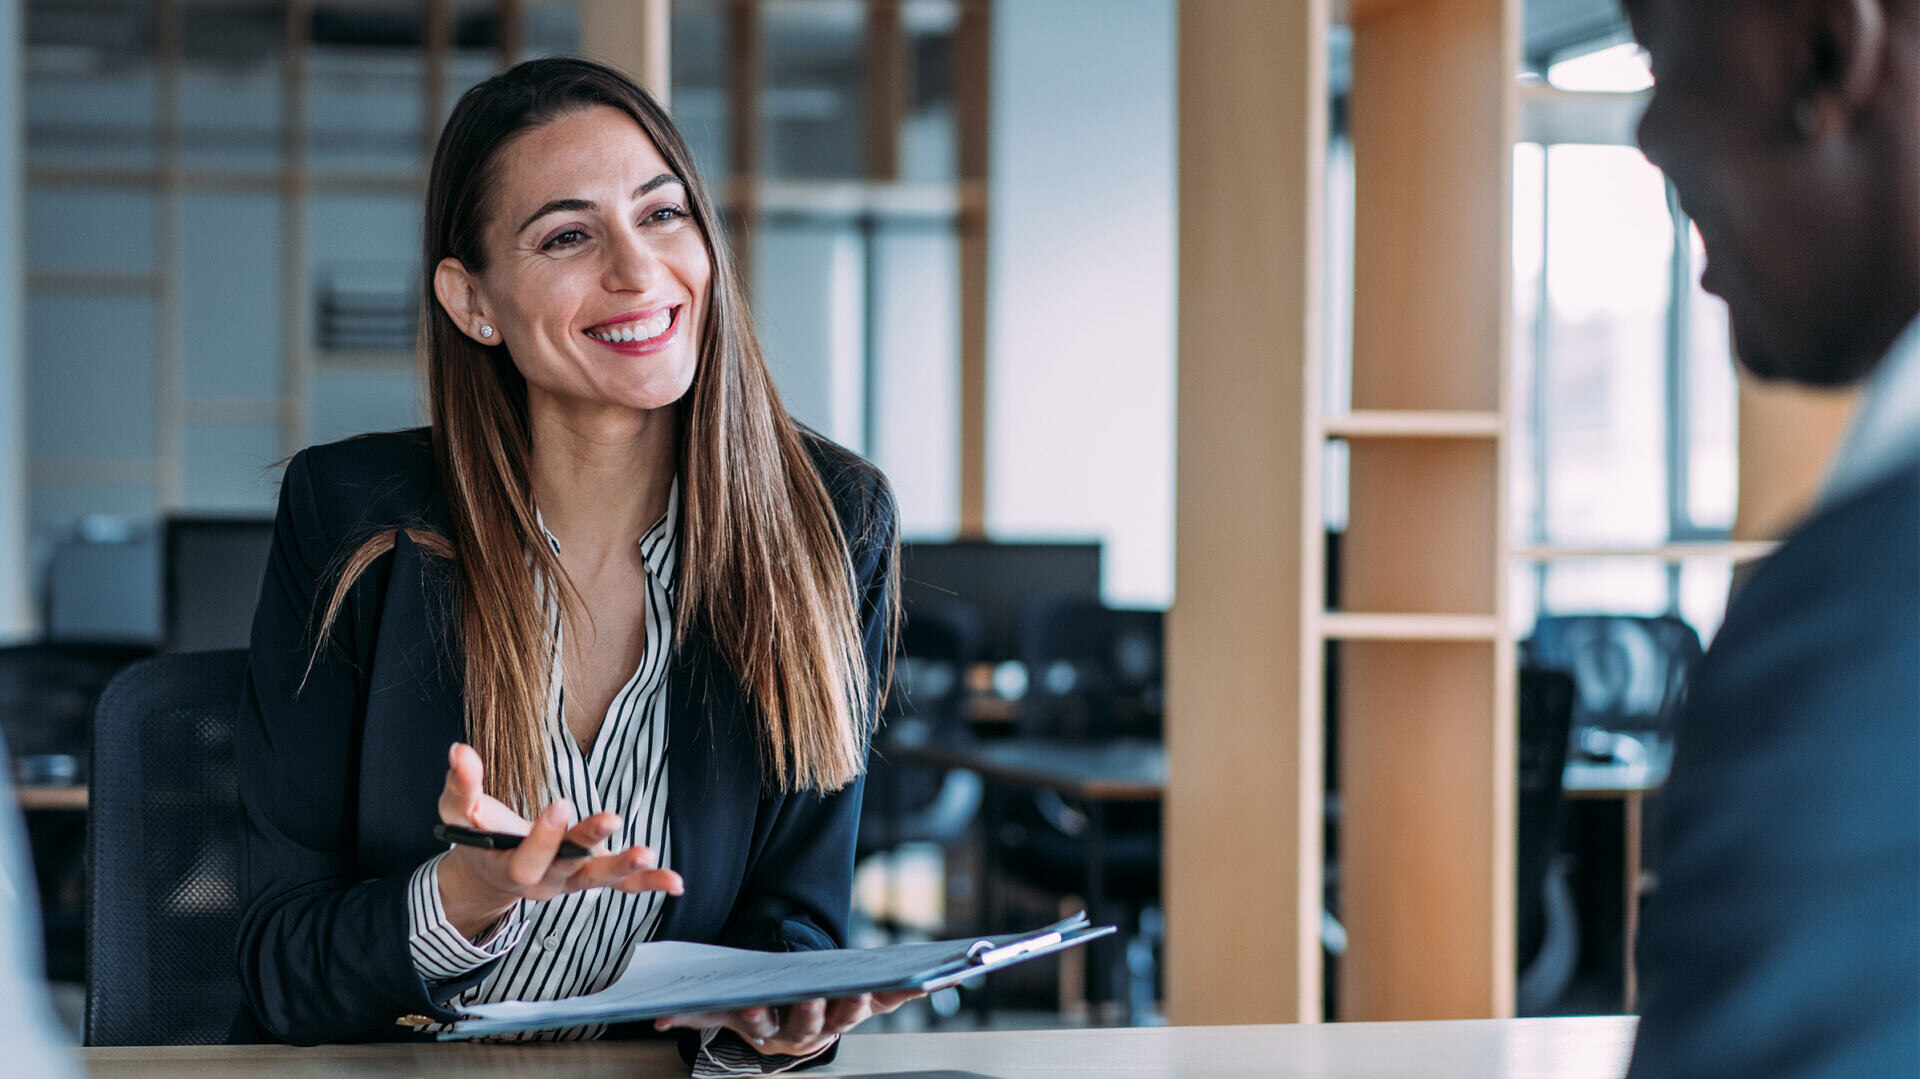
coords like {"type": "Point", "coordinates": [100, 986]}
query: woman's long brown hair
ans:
{"type": "Point", "coordinates": [764, 566]}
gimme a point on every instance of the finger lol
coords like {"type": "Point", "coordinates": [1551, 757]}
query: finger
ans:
{"type": "Point", "coordinates": [530, 862]}
{"type": "Point", "coordinates": [460, 796]}
{"type": "Point", "coordinates": [802, 1023]}
{"type": "Point", "coordinates": [593, 832]}
{"type": "Point", "coordinates": [653, 880]}
{"type": "Point", "coordinates": [887, 1002]}
{"type": "Point", "coordinates": [846, 1013]}
{"type": "Point", "coordinates": [755, 1025]}
{"type": "Point", "coordinates": [609, 870]}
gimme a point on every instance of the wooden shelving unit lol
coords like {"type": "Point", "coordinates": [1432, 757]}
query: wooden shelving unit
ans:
{"type": "Point", "coordinates": [1426, 664]}
{"type": "Point", "coordinates": [1732, 551]}
{"type": "Point", "coordinates": [1414, 628]}
{"type": "Point", "coordinates": [1410, 424]}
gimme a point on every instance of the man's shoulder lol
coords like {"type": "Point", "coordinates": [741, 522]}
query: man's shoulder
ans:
{"type": "Point", "coordinates": [1858, 558]}
{"type": "Point", "coordinates": [1781, 929]}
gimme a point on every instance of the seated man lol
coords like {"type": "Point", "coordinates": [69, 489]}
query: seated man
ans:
{"type": "Point", "coordinates": [1785, 938]}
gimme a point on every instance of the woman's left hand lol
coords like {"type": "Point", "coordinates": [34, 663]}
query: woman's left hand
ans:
{"type": "Point", "coordinates": [796, 1030]}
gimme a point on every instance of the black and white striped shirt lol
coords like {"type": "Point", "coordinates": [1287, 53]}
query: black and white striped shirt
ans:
{"type": "Point", "coordinates": [580, 942]}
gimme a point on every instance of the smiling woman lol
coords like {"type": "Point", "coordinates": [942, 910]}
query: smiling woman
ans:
{"type": "Point", "coordinates": [612, 595]}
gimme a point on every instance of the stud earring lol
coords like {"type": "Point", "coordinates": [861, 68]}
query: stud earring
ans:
{"type": "Point", "coordinates": [486, 331]}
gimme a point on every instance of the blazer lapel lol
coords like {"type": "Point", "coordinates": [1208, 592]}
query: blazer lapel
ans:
{"type": "Point", "coordinates": [713, 788]}
{"type": "Point", "coordinates": [414, 712]}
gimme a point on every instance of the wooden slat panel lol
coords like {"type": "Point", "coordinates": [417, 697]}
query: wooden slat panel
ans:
{"type": "Point", "coordinates": [1427, 729]}
{"type": "Point", "coordinates": [971, 48]}
{"type": "Point", "coordinates": [886, 88]}
{"type": "Point", "coordinates": [631, 35]}
{"type": "Point", "coordinates": [1423, 522]}
{"type": "Point", "coordinates": [1787, 439]}
{"type": "Point", "coordinates": [1243, 815]}
{"type": "Point", "coordinates": [1432, 113]}
{"type": "Point", "coordinates": [1416, 764]}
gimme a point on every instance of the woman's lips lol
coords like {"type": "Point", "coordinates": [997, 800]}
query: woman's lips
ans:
{"type": "Point", "coordinates": [639, 336]}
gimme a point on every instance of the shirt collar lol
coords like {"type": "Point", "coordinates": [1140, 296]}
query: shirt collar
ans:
{"type": "Point", "coordinates": [659, 546]}
{"type": "Point", "coordinates": [1885, 433]}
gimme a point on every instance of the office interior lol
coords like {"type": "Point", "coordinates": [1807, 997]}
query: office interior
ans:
{"type": "Point", "coordinates": [1279, 393]}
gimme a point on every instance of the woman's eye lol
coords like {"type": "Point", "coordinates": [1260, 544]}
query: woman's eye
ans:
{"type": "Point", "coordinates": [666, 213]}
{"type": "Point", "coordinates": [565, 238]}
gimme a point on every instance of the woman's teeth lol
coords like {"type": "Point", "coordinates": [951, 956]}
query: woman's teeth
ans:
{"type": "Point", "coordinates": [643, 330]}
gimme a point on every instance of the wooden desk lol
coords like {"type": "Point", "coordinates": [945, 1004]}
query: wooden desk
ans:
{"type": "Point", "coordinates": [70, 797]}
{"type": "Point", "coordinates": [1592, 1048]}
{"type": "Point", "coordinates": [1119, 771]}
{"type": "Point", "coordinates": [1630, 781]}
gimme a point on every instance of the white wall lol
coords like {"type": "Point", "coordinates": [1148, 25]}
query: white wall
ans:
{"type": "Point", "coordinates": [1080, 344]}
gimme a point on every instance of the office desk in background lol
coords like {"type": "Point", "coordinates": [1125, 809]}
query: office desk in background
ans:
{"type": "Point", "coordinates": [1092, 773]}
{"type": "Point", "coordinates": [1587, 1048]}
{"type": "Point", "coordinates": [1629, 779]}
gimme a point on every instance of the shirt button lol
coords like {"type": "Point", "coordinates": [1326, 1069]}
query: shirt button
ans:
{"type": "Point", "coordinates": [552, 942]}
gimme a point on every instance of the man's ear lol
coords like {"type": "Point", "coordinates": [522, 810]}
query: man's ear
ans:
{"type": "Point", "coordinates": [1849, 42]}
{"type": "Point", "coordinates": [458, 291]}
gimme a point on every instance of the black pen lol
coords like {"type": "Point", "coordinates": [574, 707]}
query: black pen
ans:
{"type": "Point", "coordinates": [474, 837]}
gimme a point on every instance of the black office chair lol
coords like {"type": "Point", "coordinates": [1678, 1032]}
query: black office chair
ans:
{"type": "Point", "coordinates": [938, 642]}
{"type": "Point", "coordinates": [1547, 933]}
{"type": "Point", "coordinates": [163, 842]}
{"type": "Point", "coordinates": [1094, 673]}
{"type": "Point", "coordinates": [1631, 672]}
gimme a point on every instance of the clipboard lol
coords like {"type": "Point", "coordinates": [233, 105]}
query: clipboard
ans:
{"type": "Point", "coordinates": [676, 978]}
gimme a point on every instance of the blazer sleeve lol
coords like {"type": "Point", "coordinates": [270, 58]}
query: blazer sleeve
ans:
{"type": "Point", "coordinates": [1784, 939]}
{"type": "Point", "coordinates": [322, 950]}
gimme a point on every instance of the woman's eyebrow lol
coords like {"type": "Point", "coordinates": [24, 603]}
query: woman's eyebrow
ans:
{"type": "Point", "coordinates": [560, 206]}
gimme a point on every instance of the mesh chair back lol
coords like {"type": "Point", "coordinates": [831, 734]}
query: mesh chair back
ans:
{"type": "Point", "coordinates": [163, 838]}
{"type": "Point", "coordinates": [1546, 716]}
{"type": "Point", "coordinates": [939, 640]}
{"type": "Point", "coordinates": [1631, 672]}
{"type": "Point", "coordinates": [1093, 672]}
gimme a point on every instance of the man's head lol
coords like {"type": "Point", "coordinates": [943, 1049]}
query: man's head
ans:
{"type": "Point", "coordinates": [1791, 130]}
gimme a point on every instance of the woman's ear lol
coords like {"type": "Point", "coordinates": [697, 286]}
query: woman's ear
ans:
{"type": "Point", "coordinates": [458, 291]}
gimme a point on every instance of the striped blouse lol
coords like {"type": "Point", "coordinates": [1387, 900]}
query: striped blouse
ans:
{"type": "Point", "coordinates": [580, 942]}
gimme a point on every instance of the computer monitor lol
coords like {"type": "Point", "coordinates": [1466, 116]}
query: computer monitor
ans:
{"type": "Point", "coordinates": [998, 579]}
{"type": "Point", "coordinates": [211, 580]}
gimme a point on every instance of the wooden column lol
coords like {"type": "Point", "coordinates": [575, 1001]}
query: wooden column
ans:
{"type": "Point", "coordinates": [1427, 668]}
{"type": "Point", "coordinates": [1787, 439]}
{"type": "Point", "coordinates": [972, 44]}
{"type": "Point", "coordinates": [886, 89]}
{"type": "Point", "coordinates": [631, 35]}
{"type": "Point", "coordinates": [1243, 815]}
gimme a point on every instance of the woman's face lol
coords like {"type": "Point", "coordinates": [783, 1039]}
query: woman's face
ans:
{"type": "Point", "coordinates": [597, 275]}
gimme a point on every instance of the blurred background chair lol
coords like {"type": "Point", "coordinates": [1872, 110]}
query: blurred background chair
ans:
{"type": "Point", "coordinates": [939, 641]}
{"type": "Point", "coordinates": [47, 694]}
{"type": "Point", "coordinates": [1094, 674]}
{"type": "Point", "coordinates": [163, 838]}
{"type": "Point", "coordinates": [1630, 671]}
{"type": "Point", "coordinates": [1547, 931]}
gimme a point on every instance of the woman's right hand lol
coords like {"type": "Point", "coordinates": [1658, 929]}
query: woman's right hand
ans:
{"type": "Point", "coordinates": [478, 886]}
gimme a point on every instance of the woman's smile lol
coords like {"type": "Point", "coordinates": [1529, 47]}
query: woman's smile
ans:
{"type": "Point", "coordinates": [637, 333]}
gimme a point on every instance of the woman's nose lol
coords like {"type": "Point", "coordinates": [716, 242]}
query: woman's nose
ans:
{"type": "Point", "coordinates": [632, 265]}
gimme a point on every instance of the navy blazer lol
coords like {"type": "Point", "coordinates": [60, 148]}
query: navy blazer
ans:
{"type": "Point", "coordinates": [1784, 939]}
{"type": "Point", "coordinates": [340, 778]}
